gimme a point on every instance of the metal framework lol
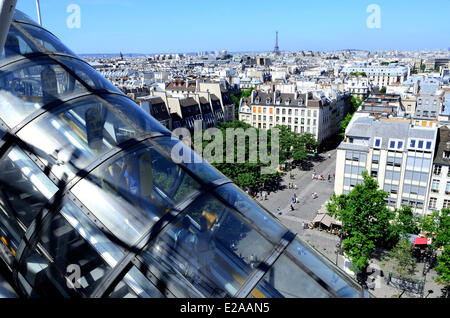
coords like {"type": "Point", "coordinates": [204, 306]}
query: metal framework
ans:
{"type": "Point", "coordinates": [64, 194]}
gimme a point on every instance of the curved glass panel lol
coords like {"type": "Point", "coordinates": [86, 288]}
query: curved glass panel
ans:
{"type": "Point", "coordinates": [130, 192]}
{"type": "Point", "coordinates": [212, 246]}
{"type": "Point", "coordinates": [28, 85]}
{"type": "Point", "coordinates": [24, 188]}
{"type": "Point", "coordinates": [23, 39]}
{"type": "Point", "coordinates": [182, 154]}
{"type": "Point", "coordinates": [65, 264]}
{"type": "Point", "coordinates": [135, 285]}
{"type": "Point", "coordinates": [286, 280]}
{"type": "Point", "coordinates": [20, 16]}
{"type": "Point", "coordinates": [336, 279]}
{"type": "Point", "coordinates": [74, 134]}
{"type": "Point", "coordinates": [259, 218]}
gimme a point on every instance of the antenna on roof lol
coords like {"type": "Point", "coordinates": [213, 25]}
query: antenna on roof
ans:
{"type": "Point", "coordinates": [38, 8]}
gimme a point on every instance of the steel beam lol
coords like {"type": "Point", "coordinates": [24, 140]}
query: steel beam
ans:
{"type": "Point", "coordinates": [7, 8]}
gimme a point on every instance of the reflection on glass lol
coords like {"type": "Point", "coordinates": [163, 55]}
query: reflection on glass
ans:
{"type": "Point", "coordinates": [40, 81]}
{"type": "Point", "coordinates": [69, 255]}
{"type": "Point", "coordinates": [24, 187]}
{"type": "Point", "coordinates": [78, 132]}
{"type": "Point", "coordinates": [135, 285]}
{"type": "Point", "coordinates": [92, 234]}
{"type": "Point", "coordinates": [286, 280]}
{"type": "Point", "coordinates": [18, 44]}
{"type": "Point", "coordinates": [212, 246]}
{"type": "Point", "coordinates": [133, 190]}
{"type": "Point", "coordinates": [184, 155]}
{"type": "Point", "coordinates": [338, 281]}
{"type": "Point", "coordinates": [260, 218]}
{"type": "Point", "coordinates": [20, 16]}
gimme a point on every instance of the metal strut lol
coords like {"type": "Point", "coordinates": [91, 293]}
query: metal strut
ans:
{"type": "Point", "coordinates": [7, 8]}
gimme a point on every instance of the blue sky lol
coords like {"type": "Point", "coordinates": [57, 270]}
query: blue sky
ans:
{"type": "Point", "coordinates": [154, 26]}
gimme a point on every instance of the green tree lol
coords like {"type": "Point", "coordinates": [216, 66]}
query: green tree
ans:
{"type": "Point", "coordinates": [383, 90]}
{"type": "Point", "coordinates": [247, 93]}
{"type": "Point", "coordinates": [344, 124]}
{"type": "Point", "coordinates": [365, 218]}
{"type": "Point", "coordinates": [355, 103]}
{"type": "Point", "coordinates": [406, 222]}
{"type": "Point", "coordinates": [358, 248]}
{"type": "Point", "coordinates": [437, 226]}
{"type": "Point", "coordinates": [403, 258]}
{"type": "Point", "coordinates": [246, 174]}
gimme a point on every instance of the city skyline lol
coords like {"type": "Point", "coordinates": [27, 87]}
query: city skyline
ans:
{"type": "Point", "coordinates": [110, 27]}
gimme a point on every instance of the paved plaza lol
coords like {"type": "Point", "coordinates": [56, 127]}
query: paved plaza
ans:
{"type": "Point", "coordinates": [325, 243]}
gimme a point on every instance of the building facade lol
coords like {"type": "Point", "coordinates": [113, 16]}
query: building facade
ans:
{"type": "Point", "coordinates": [396, 153]}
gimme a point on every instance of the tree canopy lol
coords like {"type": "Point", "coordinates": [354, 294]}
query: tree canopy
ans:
{"type": "Point", "coordinates": [366, 220]}
{"type": "Point", "coordinates": [292, 146]}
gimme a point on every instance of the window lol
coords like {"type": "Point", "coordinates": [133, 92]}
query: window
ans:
{"type": "Point", "coordinates": [377, 142]}
{"type": "Point", "coordinates": [446, 154]}
{"type": "Point", "coordinates": [437, 170]}
{"type": "Point", "coordinates": [435, 185]}
{"type": "Point", "coordinates": [413, 143]}
{"type": "Point", "coordinates": [446, 204]}
{"type": "Point", "coordinates": [432, 204]}
{"type": "Point", "coordinates": [375, 159]}
{"type": "Point", "coordinates": [447, 188]}
{"type": "Point", "coordinates": [374, 173]}
{"type": "Point", "coordinates": [392, 144]}
{"type": "Point", "coordinates": [428, 145]}
{"type": "Point", "coordinates": [400, 145]}
{"type": "Point", "coordinates": [420, 144]}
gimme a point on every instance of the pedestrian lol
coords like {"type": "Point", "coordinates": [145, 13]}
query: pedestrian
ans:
{"type": "Point", "coordinates": [292, 207]}
{"type": "Point", "coordinates": [297, 200]}
{"type": "Point", "coordinates": [295, 187]}
{"type": "Point", "coordinates": [329, 155]}
{"type": "Point", "coordinates": [312, 177]}
{"type": "Point", "coordinates": [293, 200]}
{"type": "Point", "coordinates": [278, 211]}
{"type": "Point", "coordinates": [329, 177]}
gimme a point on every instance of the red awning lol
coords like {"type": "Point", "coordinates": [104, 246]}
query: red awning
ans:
{"type": "Point", "coordinates": [420, 241]}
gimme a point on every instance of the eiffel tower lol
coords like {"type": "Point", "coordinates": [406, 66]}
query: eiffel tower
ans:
{"type": "Point", "coordinates": [276, 50]}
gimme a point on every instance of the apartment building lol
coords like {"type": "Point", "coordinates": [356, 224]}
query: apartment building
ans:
{"type": "Point", "coordinates": [380, 75]}
{"type": "Point", "coordinates": [156, 107]}
{"type": "Point", "coordinates": [399, 155]}
{"type": "Point", "coordinates": [310, 112]}
{"type": "Point", "coordinates": [439, 195]}
{"type": "Point", "coordinates": [358, 87]}
{"type": "Point", "coordinates": [427, 110]}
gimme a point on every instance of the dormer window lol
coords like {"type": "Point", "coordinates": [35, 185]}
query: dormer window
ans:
{"type": "Point", "coordinates": [446, 155]}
